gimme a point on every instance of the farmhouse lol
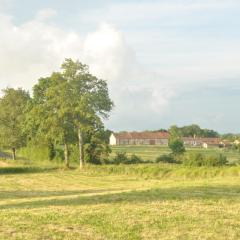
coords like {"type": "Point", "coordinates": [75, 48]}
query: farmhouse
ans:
{"type": "Point", "coordinates": [201, 142]}
{"type": "Point", "coordinates": [139, 138]}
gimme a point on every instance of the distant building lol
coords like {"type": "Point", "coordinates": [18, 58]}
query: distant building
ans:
{"type": "Point", "coordinates": [201, 142]}
{"type": "Point", "coordinates": [139, 138]}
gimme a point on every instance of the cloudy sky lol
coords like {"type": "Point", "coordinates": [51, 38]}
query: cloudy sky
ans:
{"type": "Point", "coordinates": [166, 61]}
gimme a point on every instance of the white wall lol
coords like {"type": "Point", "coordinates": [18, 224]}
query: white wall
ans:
{"type": "Point", "coordinates": [112, 140]}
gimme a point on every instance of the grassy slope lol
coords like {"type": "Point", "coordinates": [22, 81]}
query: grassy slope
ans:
{"type": "Point", "coordinates": [119, 202]}
{"type": "Point", "coordinates": [152, 152]}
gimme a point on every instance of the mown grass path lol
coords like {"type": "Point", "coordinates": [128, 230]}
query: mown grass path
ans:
{"type": "Point", "coordinates": [58, 204]}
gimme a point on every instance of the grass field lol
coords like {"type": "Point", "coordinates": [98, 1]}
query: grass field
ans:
{"type": "Point", "coordinates": [147, 201]}
{"type": "Point", "coordinates": [152, 152]}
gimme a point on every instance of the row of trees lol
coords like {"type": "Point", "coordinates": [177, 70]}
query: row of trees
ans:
{"type": "Point", "coordinates": [192, 131]}
{"type": "Point", "coordinates": [65, 108]}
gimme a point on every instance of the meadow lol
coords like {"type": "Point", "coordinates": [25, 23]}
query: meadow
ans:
{"type": "Point", "coordinates": [146, 201]}
{"type": "Point", "coordinates": [152, 152]}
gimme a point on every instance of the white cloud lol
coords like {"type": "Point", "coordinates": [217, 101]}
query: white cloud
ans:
{"type": "Point", "coordinates": [188, 45]}
{"type": "Point", "coordinates": [38, 47]}
{"type": "Point", "coordinates": [143, 12]}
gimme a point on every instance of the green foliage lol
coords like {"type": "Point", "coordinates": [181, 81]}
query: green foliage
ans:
{"type": "Point", "coordinates": [89, 100]}
{"type": "Point", "coordinates": [12, 115]}
{"type": "Point", "coordinates": [96, 152]}
{"type": "Point", "coordinates": [51, 151]}
{"type": "Point", "coordinates": [194, 159]}
{"type": "Point", "coordinates": [122, 158]}
{"type": "Point", "coordinates": [177, 147]}
{"type": "Point", "coordinates": [231, 137]}
{"type": "Point", "coordinates": [41, 153]}
{"type": "Point", "coordinates": [134, 159]}
{"type": "Point", "coordinates": [166, 158]}
{"type": "Point", "coordinates": [96, 147]}
{"type": "Point", "coordinates": [199, 160]}
{"type": "Point", "coordinates": [191, 131]}
{"type": "Point", "coordinates": [66, 106]}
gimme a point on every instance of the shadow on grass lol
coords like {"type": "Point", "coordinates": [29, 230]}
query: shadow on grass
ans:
{"type": "Point", "coordinates": [158, 194]}
{"type": "Point", "coordinates": [36, 194]}
{"type": "Point", "coordinates": [25, 170]}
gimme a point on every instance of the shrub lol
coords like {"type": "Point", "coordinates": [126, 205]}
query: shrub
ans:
{"type": "Point", "coordinates": [59, 154]}
{"type": "Point", "coordinates": [134, 159]}
{"type": "Point", "coordinates": [177, 147]}
{"type": "Point", "coordinates": [51, 151]}
{"type": "Point", "coordinates": [194, 160]}
{"type": "Point", "coordinates": [122, 158]}
{"type": "Point", "coordinates": [96, 152]}
{"type": "Point", "coordinates": [199, 160]}
{"type": "Point", "coordinates": [218, 160]}
{"type": "Point", "coordinates": [166, 158]}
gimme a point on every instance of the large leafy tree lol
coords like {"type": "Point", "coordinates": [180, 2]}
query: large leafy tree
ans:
{"type": "Point", "coordinates": [89, 98]}
{"type": "Point", "coordinates": [51, 115]}
{"type": "Point", "coordinates": [13, 106]}
{"type": "Point", "coordinates": [67, 105]}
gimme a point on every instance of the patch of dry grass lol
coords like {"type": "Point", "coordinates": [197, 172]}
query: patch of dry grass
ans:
{"type": "Point", "coordinates": [58, 204]}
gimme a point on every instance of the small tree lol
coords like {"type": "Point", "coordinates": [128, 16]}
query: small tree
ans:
{"type": "Point", "coordinates": [177, 147]}
{"type": "Point", "coordinates": [12, 115]}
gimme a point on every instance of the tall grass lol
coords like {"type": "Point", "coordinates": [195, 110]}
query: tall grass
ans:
{"type": "Point", "coordinates": [163, 171]}
{"type": "Point", "coordinates": [35, 153]}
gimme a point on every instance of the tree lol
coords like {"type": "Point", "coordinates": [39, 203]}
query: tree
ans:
{"type": "Point", "coordinates": [89, 98]}
{"type": "Point", "coordinates": [191, 131]}
{"type": "Point", "coordinates": [68, 104]}
{"type": "Point", "coordinates": [177, 147]}
{"type": "Point", "coordinates": [51, 115]}
{"type": "Point", "coordinates": [175, 133]}
{"type": "Point", "coordinates": [12, 114]}
{"type": "Point", "coordinates": [96, 148]}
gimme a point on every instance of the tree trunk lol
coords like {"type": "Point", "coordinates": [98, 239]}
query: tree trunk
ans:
{"type": "Point", "coordinates": [66, 155]}
{"type": "Point", "coordinates": [81, 153]}
{"type": "Point", "coordinates": [14, 153]}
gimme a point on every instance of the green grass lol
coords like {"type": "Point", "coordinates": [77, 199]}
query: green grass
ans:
{"type": "Point", "coordinates": [147, 201]}
{"type": "Point", "coordinates": [152, 152]}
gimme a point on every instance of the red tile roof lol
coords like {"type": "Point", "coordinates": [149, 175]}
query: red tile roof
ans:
{"type": "Point", "coordinates": [142, 135]}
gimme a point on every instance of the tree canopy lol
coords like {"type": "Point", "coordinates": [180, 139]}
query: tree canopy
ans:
{"type": "Point", "coordinates": [67, 105]}
{"type": "Point", "coordinates": [12, 115]}
{"type": "Point", "coordinates": [192, 131]}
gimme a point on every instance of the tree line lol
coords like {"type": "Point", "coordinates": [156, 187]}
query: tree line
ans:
{"type": "Point", "coordinates": [192, 131]}
{"type": "Point", "coordinates": [66, 108]}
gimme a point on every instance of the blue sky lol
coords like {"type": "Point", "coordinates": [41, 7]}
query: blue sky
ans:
{"type": "Point", "coordinates": [166, 62]}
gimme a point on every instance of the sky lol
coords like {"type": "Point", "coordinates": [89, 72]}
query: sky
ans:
{"type": "Point", "coordinates": [166, 61]}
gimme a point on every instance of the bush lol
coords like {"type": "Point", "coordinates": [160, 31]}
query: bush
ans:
{"type": "Point", "coordinates": [177, 147]}
{"type": "Point", "coordinates": [134, 159]}
{"type": "Point", "coordinates": [218, 160]}
{"type": "Point", "coordinates": [166, 158]}
{"type": "Point", "coordinates": [194, 160]}
{"type": "Point", "coordinates": [96, 152]}
{"type": "Point", "coordinates": [122, 158]}
{"type": "Point", "coordinates": [199, 160]}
